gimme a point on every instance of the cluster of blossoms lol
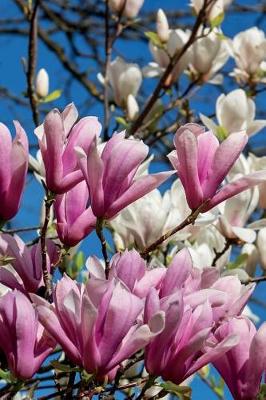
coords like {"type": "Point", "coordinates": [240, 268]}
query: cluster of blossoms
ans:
{"type": "Point", "coordinates": [181, 316]}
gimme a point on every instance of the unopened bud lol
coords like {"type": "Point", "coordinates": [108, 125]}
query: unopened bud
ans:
{"type": "Point", "coordinates": [132, 107]}
{"type": "Point", "coordinates": [162, 26]}
{"type": "Point", "coordinates": [42, 83]}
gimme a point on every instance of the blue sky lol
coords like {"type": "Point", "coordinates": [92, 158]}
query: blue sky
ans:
{"type": "Point", "coordinates": [13, 49]}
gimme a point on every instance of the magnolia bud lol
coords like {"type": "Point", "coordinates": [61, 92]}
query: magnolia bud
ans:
{"type": "Point", "coordinates": [42, 83]}
{"type": "Point", "coordinates": [162, 26]}
{"type": "Point", "coordinates": [132, 107]}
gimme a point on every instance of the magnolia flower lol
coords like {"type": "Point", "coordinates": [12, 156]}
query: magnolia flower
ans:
{"type": "Point", "coordinates": [249, 51]}
{"type": "Point", "coordinates": [242, 367]}
{"type": "Point", "coordinates": [98, 326]}
{"type": "Point", "coordinates": [111, 176]}
{"type": "Point", "coordinates": [214, 10]}
{"type": "Point", "coordinates": [130, 8]}
{"type": "Point", "coordinates": [177, 40]}
{"type": "Point", "coordinates": [209, 54]}
{"type": "Point", "coordinates": [130, 269]}
{"type": "Point", "coordinates": [42, 83]}
{"type": "Point", "coordinates": [125, 79]}
{"type": "Point", "coordinates": [13, 169]}
{"type": "Point", "coordinates": [132, 107]}
{"type": "Point", "coordinates": [235, 112]}
{"type": "Point", "coordinates": [256, 164]}
{"type": "Point", "coordinates": [21, 266]}
{"type": "Point", "coordinates": [178, 352]}
{"type": "Point", "coordinates": [22, 338]}
{"type": "Point", "coordinates": [74, 219]}
{"type": "Point", "coordinates": [57, 138]}
{"type": "Point", "coordinates": [202, 164]}
{"type": "Point", "coordinates": [261, 243]}
{"type": "Point", "coordinates": [162, 26]}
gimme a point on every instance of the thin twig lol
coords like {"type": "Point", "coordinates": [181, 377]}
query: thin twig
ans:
{"type": "Point", "coordinates": [32, 59]}
{"type": "Point", "coordinates": [187, 221]}
{"type": "Point", "coordinates": [49, 200]}
{"type": "Point", "coordinates": [99, 232]}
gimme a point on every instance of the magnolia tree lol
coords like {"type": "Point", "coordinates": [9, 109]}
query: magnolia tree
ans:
{"type": "Point", "coordinates": [165, 303]}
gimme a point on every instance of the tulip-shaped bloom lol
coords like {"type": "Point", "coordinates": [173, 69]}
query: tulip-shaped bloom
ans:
{"type": "Point", "coordinates": [13, 169]}
{"type": "Point", "coordinates": [57, 138]}
{"type": "Point", "coordinates": [21, 266]}
{"type": "Point", "coordinates": [202, 164]}
{"type": "Point", "coordinates": [178, 351]}
{"type": "Point", "coordinates": [235, 112]}
{"type": "Point", "coordinates": [125, 79]}
{"type": "Point", "coordinates": [242, 366]}
{"type": "Point", "coordinates": [22, 337]}
{"type": "Point", "coordinates": [130, 8]}
{"type": "Point", "coordinates": [249, 51]}
{"type": "Point", "coordinates": [130, 268]}
{"type": "Point", "coordinates": [98, 326]}
{"type": "Point", "coordinates": [214, 10]}
{"type": "Point", "coordinates": [75, 219]}
{"type": "Point", "coordinates": [110, 177]}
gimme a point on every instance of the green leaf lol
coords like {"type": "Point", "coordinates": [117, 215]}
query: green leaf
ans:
{"type": "Point", "coordinates": [262, 394]}
{"type": "Point", "coordinates": [122, 121]}
{"type": "Point", "coordinates": [6, 375]}
{"type": "Point", "coordinates": [239, 262]}
{"type": "Point", "coordinates": [221, 133]}
{"type": "Point", "coordinates": [182, 392]}
{"type": "Point", "coordinates": [217, 20]}
{"type": "Point", "coordinates": [51, 96]}
{"type": "Point", "coordinates": [154, 38]}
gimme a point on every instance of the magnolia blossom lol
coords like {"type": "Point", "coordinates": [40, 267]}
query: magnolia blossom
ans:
{"type": "Point", "coordinates": [162, 26]}
{"type": "Point", "coordinates": [42, 83]}
{"type": "Point", "coordinates": [242, 367]}
{"type": "Point", "coordinates": [235, 112]}
{"type": "Point", "coordinates": [75, 220]}
{"type": "Point", "coordinates": [125, 79]}
{"type": "Point", "coordinates": [177, 40]}
{"type": "Point", "coordinates": [202, 164]}
{"type": "Point", "coordinates": [256, 164]}
{"type": "Point", "coordinates": [91, 324]}
{"type": "Point", "coordinates": [13, 169]}
{"type": "Point", "coordinates": [249, 51]}
{"type": "Point", "coordinates": [209, 54]}
{"type": "Point", "coordinates": [130, 8]}
{"type": "Point", "coordinates": [132, 107]}
{"type": "Point", "coordinates": [57, 138]}
{"type": "Point", "coordinates": [22, 338]}
{"type": "Point", "coordinates": [21, 266]}
{"type": "Point", "coordinates": [214, 10]}
{"type": "Point", "coordinates": [111, 176]}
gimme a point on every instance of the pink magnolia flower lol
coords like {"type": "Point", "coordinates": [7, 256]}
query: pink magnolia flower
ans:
{"type": "Point", "coordinates": [130, 268]}
{"type": "Point", "coordinates": [202, 164]}
{"type": "Point", "coordinates": [22, 338]}
{"type": "Point", "coordinates": [111, 176]}
{"type": "Point", "coordinates": [242, 367]}
{"type": "Point", "coordinates": [13, 169]}
{"type": "Point", "coordinates": [98, 326]}
{"type": "Point", "coordinates": [75, 219]}
{"type": "Point", "coordinates": [57, 138]}
{"type": "Point", "coordinates": [178, 351]}
{"type": "Point", "coordinates": [22, 266]}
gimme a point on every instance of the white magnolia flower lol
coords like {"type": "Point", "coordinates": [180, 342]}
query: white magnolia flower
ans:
{"type": "Point", "coordinates": [256, 164]}
{"type": "Point", "coordinates": [131, 7]}
{"type": "Point", "coordinates": [215, 9]}
{"type": "Point", "coordinates": [162, 26]}
{"type": "Point", "coordinates": [248, 48]}
{"type": "Point", "coordinates": [132, 107]}
{"type": "Point", "coordinates": [176, 41]}
{"type": "Point", "coordinates": [252, 254]}
{"type": "Point", "coordinates": [235, 112]}
{"type": "Point", "coordinates": [42, 83]}
{"type": "Point", "coordinates": [124, 78]}
{"type": "Point", "coordinates": [261, 246]}
{"type": "Point", "coordinates": [209, 54]}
